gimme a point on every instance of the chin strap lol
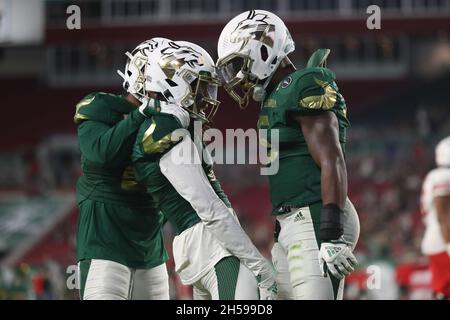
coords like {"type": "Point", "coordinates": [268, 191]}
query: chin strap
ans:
{"type": "Point", "coordinates": [259, 91]}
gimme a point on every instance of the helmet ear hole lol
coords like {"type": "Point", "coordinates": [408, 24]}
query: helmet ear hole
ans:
{"type": "Point", "coordinates": [274, 61]}
{"type": "Point", "coordinates": [264, 53]}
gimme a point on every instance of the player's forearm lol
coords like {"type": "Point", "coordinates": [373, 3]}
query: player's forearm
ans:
{"type": "Point", "coordinates": [334, 180]}
{"type": "Point", "coordinates": [231, 236]}
{"type": "Point", "coordinates": [189, 180]}
{"type": "Point", "coordinates": [119, 135]}
{"type": "Point", "coordinates": [105, 145]}
{"type": "Point", "coordinates": [321, 134]}
{"type": "Point", "coordinates": [333, 193]}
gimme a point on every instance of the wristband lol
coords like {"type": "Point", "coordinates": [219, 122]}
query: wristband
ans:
{"type": "Point", "coordinates": [331, 227]}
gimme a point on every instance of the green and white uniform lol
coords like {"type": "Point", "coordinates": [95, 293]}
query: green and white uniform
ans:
{"type": "Point", "coordinates": [119, 229]}
{"type": "Point", "coordinates": [211, 251]}
{"type": "Point", "coordinates": [295, 190]}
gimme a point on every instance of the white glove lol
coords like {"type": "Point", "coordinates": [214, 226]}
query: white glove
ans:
{"type": "Point", "coordinates": [267, 285]}
{"type": "Point", "coordinates": [337, 257]}
{"type": "Point", "coordinates": [149, 106]}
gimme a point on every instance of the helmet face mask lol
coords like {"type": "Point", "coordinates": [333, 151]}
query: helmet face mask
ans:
{"type": "Point", "coordinates": [250, 49]}
{"type": "Point", "coordinates": [180, 72]}
{"type": "Point", "coordinates": [139, 63]}
{"type": "Point", "coordinates": [234, 70]}
{"type": "Point", "coordinates": [203, 96]}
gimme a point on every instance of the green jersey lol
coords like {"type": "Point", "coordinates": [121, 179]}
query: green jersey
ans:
{"type": "Point", "coordinates": [105, 143]}
{"type": "Point", "coordinates": [152, 142]}
{"type": "Point", "coordinates": [305, 92]}
{"type": "Point", "coordinates": [118, 220]}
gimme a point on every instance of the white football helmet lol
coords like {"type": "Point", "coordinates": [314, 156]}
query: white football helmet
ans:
{"type": "Point", "coordinates": [250, 49]}
{"type": "Point", "coordinates": [443, 152]}
{"type": "Point", "coordinates": [136, 69]}
{"type": "Point", "coordinates": [179, 72]}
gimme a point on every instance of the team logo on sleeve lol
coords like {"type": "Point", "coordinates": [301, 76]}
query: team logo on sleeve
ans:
{"type": "Point", "coordinates": [286, 82]}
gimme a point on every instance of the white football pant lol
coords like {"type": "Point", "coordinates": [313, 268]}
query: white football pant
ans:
{"type": "Point", "coordinates": [109, 280]}
{"type": "Point", "coordinates": [295, 255]}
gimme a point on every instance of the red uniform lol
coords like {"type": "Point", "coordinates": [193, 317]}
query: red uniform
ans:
{"type": "Point", "coordinates": [437, 183]}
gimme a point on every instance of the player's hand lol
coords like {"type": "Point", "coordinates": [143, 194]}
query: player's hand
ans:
{"type": "Point", "coordinates": [337, 257]}
{"type": "Point", "coordinates": [267, 285]}
{"type": "Point", "coordinates": [150, 107]}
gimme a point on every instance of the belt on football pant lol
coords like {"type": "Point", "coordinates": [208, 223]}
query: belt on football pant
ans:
{"type": "Point", "coordinates": [285, 208]}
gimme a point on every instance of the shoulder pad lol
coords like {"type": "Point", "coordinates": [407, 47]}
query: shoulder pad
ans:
{"type": "Point", "coordinates": [317, 89]}
{"type": "Point", "coordinates": [102, 107]}
{"type": "Point", "coordinates": [79, 114]}
{"type": "Point", "coordinates": [318, 58]}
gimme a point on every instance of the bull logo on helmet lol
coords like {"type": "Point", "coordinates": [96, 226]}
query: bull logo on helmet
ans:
{"type": "Point", "coordinates": [175, 56]}
{"type": "Point", "coordinates": [254, 26]}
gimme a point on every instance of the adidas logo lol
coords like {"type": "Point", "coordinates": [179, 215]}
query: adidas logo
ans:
{"type": "Point", "coordinates": [332, 250]}
{"type": "Point", "coordinates": [299, 217]}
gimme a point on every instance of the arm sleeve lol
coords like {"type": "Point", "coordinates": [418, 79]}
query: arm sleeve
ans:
{"type": "Point", "coordinates": [209, 171]}
{"type": "Point", "coordinates": [190, 181]}
{"type": "Point", "coordinates": [215, 184]}
{"type": "Point", "coordinates": [101, 143]}
{"type": "Point", "coordinates": [155, 137]}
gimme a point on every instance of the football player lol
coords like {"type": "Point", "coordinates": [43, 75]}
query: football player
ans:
{"type": "Point", "coordinates": [317, 225]}
{"type": "Point", "coordinates": [211, 250]}
{"type": "Point", "coordinates": [436, 208]}
{"type": "Point", "coordinates": [120, 248]}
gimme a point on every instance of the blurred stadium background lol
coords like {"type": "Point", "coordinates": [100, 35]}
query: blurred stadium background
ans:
{"type": "Point", "coordinates": [396, 81]}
